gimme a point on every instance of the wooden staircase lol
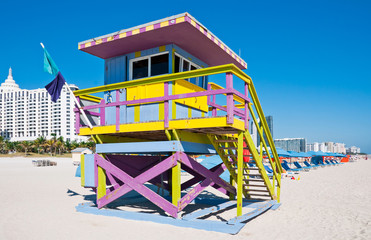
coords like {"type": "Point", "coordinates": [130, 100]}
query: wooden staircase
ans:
{"type": "Point", "coordinates": [255, 181]}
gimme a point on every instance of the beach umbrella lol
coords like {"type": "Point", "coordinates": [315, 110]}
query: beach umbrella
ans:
{"type": "Point", "coordinates": [280, 152]}
{"type": "Point", "coordinates": [319, 153]}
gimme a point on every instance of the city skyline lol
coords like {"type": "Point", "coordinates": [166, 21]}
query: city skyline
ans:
{"type": "Point", "coordinates": [309, 61]}
{"type": "Point", "coordinates": [26, 114]}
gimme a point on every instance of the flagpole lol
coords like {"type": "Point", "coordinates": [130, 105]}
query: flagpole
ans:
{"type": "Point", "coordinates": [79, 106]}
{"type": "Point", "coordinates": [75, 100]}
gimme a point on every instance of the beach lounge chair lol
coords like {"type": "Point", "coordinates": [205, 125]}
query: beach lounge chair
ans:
{"type": "Point", "coordinates": [337, 162]}
{"type": "Point", "coordinates": [329, 163]}
{"type": "Point", "coordinates": [334, 163]}
{"type": "Point", "coordinates": [309, 165]}
{"type": "Point", "coordinates": [298, 166]}
{"type": "Point", "coordinates": [268, 169]}
{"type": "Point", "coordinates": [288, 169]}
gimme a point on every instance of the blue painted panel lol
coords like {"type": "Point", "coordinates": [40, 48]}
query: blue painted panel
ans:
{"type": "Point", "coordinates": [140, 147]}
{"type": "Point", "coordinates": [149, 112]}
{"type": "Point", "coordinates": [181, 111]}
{"type": "Point", "coordinates": [208, 225]}
{"type": "Point", "coordinates": [111, 111]}
{"type": "Point", "coordinates": [89, 170]}
{"type": "Point", "coordinates": [115, 70]}
{"type": "Point", "coordinates": [156, 147]}
{"type": "Point", "coordinates": [196, 113]}
{"type": "Point", "coordinates": [130, 114]}
{"type": "Point", "coordinates": [198, 148]}
{"type": "Point", "coordinates": [123, 108]}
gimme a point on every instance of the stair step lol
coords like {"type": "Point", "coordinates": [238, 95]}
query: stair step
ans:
{"type": "Point", "coordinates": [247, 168]}
{"type": "Point", "coordinates": [233, 155]}
{"type": "Point", "coordinates": [253, 180]}
{"type": "Point", "coordinates": [226, 140]}
{"type": "Point", "coordinates": [254, 185]}
{"type": "Point", "coordinates": [252, 174]}
{"type": "Point", "coordinates": [256, 194]}
{"type": "Point", "coordinates": [256, 190]}
{"type": "Point", "coordinates": [251, 161]}
{"type": "Point", "coordinates": [233, 148]}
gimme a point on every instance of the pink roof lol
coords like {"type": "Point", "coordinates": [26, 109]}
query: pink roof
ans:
{"type": "Point", "coordinates": [182, 30]}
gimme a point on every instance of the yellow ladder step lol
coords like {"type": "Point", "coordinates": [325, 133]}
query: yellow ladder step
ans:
{"type": "Point", "coordinates": [256, 194]}
{"type": "Point", "coordinates": [252, 174]}
{"type": "Point", "coordinates": [256, 190]}
{"type": "Point", "coordinates": [253, 180]}
{"type": "Point", "coordinates": [232, 148]}
{"type": "Point", "coordinates": [254, 185]}
{"type": "Point", "coordinates": [247, 168]}
{"type": "Point", "coordinates": [226, 140]}
{"type": "Point", "coordinates": [233, 155]}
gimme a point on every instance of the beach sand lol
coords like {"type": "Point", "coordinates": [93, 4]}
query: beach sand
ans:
{"type": "Point", "coordinates": [39, 203]}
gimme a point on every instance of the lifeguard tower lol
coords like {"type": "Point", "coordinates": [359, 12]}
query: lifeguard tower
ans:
{"type": "Point", "coordinates": [160, 109]}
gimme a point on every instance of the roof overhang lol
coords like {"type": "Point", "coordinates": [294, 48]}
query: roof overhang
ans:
{"type": "Point", "coordinates": [182, 30]}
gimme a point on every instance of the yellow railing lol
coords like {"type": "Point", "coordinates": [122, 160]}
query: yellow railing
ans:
{"type": "Point", "coordinates": [168, 78]}
{"type": "Point", "coordinates": [227, 68]}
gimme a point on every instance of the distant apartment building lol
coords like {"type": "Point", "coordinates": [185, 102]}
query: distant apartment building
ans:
{"type": "Point", "coordinates": [291, 144]}
{"type": "Point", "coordinates": [255, 135]}
{"type": "Point", "coordinates": [312, 147]}
{"type": "Point", "coordinates": [353, 150]}
{"type": "Point", "coordinates": [329, 146]}
{"type": "Point", "coordinates": [326, 147]}
{"type": "Point", "coordinates": [309, 147]}
{"type": "Point", "coordinates": [28, 114]}
{"type": "Point", "coordinates": [322, 147]}
{"type": "Point", "coordinates": [340, 148]}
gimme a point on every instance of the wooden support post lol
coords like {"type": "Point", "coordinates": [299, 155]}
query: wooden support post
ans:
{"type": "Point", "coordinates": [166, 105]}
{"type": "Point", "coordinates": [175, 177]}
{"type": "Point", "coordinates": [239, 173]}
{"type": "Point", "coordinates": [102, 113]}
{"type": "Point", "coordinates": [102, 186]}
{"type": "Point", "coordinates": [175, 184]}
{"type": "Point", "coordinates": [117, 110]}
{"type": "Point", "coordinates": [82, 169]}
{"type": "Point", "coordinates": [230, 103]}
{"type": "Point", "coordinates": [174, 181]}
{"type": "Point", "coordinates": [100, 173]}
{"type": "Point", "coordinates": [233, 183]}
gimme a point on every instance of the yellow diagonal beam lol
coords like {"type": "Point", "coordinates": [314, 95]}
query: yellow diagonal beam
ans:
{"type": "Point", "coordinates": [265, 145]}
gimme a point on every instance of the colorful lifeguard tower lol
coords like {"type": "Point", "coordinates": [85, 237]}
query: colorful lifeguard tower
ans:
{"type": "Point", "coordinates": [160, 109]}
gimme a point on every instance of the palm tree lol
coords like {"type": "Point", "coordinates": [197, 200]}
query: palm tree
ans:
{"type": "Point", "coordinates": [26, 145]}
{"type": "Point", "coordinates": [68, 145]}
{"type": "Point", "coordinates": [10, 146]}
{"type": "Point", "coordinates": [49, 146]}
{"type": "Point", "coordinates": [2, 145]}
{"type": "Point", "coordinates": [60, 144]}
{"type": "Point", "coordinates": [39, 143]}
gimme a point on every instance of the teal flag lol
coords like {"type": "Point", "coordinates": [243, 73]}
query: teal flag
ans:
{"type": "Point", "coordinates": [49, 64]}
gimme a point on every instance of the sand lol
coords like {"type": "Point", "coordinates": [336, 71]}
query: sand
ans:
{"type": "Point", "coordinates": [39, 203]}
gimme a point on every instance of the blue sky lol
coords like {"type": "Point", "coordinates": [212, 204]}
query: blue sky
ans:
{"type": "Point", "coordinates": [310, 60]}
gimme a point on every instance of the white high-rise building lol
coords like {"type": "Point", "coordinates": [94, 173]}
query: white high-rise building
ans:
{"type": "Point", "coordinates": [322, 147]}
{"type": "Point", "coordinates": [28, 114]}
{"type": "Point", "coordinates": [316, 146]}
{"type": "Point", "coordinates": [340, 148]}
{"type": "Point", "coordinates": [353, 149]}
